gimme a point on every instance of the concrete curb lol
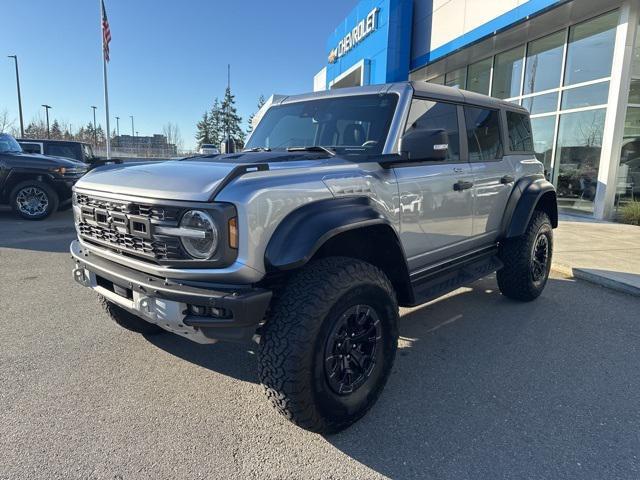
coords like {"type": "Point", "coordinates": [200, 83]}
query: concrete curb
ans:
{"type": "Point", "coordinates": [621, 282]}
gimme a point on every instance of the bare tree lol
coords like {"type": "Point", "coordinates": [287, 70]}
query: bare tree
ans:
{"type": "Point", "coordinates": [6, 124]}
{"type": "Point", "coordinates": [172, 132]}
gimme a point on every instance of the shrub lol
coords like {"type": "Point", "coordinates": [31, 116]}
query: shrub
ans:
{"type": "Point", "coordinates": [630, 213]}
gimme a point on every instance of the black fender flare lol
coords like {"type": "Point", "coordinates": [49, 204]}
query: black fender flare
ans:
{"type": "Point", "coordinates": [527, 193]}
{"type": "Point", "coordinates": [303, 231]}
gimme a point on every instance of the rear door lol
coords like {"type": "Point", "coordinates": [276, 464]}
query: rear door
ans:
{"type": "Point", "coordinates": [435, 199]}
{"type": "Point", "coordinates": [493, 174]}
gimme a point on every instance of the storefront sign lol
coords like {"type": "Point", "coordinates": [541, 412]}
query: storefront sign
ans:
{"type": "Point", "coordinates": [361, 31]}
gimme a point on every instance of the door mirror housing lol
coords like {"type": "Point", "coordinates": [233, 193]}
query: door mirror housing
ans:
{"type": "Point", "coordinates": [421, 144]}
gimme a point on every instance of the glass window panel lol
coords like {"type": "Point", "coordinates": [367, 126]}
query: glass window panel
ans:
{"type": "Point", "coordinates": [478, 76]}
{"type": "Point", "coordinates": [634, 92]}
{"type": "Point", "coordinates": [636, 56]}
{"type": "Point", "coordinates": [543, 129]}
{"type": "Point", "coordinates": [507, 73]}
{"type": "Point", "coordinates": [628, 184]}
{"type": "Point", "coordinates": [544, 63]}
{"type": "Point", "coordinates": [457, 78]}
{"type": "Point", "coordinates": [590, 50]}
{"type": "Point", "coordinates": [596, 94]}
{"type": "Point", "coordinates": [439, 80]}
{"type": "Point", "coordinates": [519, 128]}
{"type": "Point", "coordinates": [428, 115]}
{"type": "Point", "coordinates": [541, 103]}
{"type": "Point", "coordinates": [483, 134]}
{"type": "Point", "coordinates": [578, 156]}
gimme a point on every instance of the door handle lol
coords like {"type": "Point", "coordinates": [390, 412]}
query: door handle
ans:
{"type": "Point", "coordinates": [506, 179]}
{"type": "Point", "coordinates": [462, 185]}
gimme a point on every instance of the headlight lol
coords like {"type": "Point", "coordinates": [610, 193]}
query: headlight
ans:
{"type": "Point", "coordinates": [202, 240]}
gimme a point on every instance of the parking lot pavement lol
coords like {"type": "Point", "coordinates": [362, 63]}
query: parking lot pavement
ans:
{"type": "Point", "coordinates": [483, 387]}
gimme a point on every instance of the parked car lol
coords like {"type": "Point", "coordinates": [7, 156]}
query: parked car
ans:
{"type": "Point", "coordinates": [35, 185]}
{"type": "Point", "coordinates": [80, 151]}
{"type": "Point", "coordinates": [310, 239]}
{"type": "Point", "coordinates": [209, 149]}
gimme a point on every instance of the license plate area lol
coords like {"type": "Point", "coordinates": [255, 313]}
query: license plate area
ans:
{"type": "Point", "coordinates": [123, 292]}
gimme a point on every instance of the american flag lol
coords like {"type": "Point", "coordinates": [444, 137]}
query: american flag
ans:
{"type": "Point", "coordinates": [106, 33]}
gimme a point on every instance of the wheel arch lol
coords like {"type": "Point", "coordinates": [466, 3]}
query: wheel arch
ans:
{"type": "Point", "coordinates": [529, 194]}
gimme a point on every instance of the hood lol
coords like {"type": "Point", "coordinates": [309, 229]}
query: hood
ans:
{"type": "Point", "coordinates": [192, 179]}
{"type": "Point", "coordinates": [48, 160]}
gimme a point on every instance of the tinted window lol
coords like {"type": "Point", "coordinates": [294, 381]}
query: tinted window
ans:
{"type": "Point", "coordinates": [66, 151]}
{"type": "Point", "coordinates": [483, 134]}
{"type": "Point", "coordinates": [8, 144]}
{"type": "Point", "coordinates": [428, 115]}
{"type": "Point", "coordinates": [30, 148]}
{"type": "Point", "coordinates": [519, 126]}
{"type": "Point", "coordinates": [354, 124]}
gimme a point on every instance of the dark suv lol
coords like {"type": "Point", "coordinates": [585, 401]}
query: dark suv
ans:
{"type": "Point", "coordinates": [35, 185]}
{"type": "Point", "coordinates": [80, 151]}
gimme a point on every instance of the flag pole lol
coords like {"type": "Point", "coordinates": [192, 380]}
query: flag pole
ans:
{"type": "Point", "coordinates": [106, 88]}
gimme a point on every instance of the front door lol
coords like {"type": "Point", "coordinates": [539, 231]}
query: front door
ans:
{"type": "Point", "coordinates": [435, 199]}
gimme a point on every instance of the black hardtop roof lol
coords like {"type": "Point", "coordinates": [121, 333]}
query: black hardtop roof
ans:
{"type": "Point", "coordinates": [49, 140]}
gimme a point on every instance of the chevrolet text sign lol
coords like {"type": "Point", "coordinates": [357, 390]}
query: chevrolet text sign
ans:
{"type": "Point", "coordinates": [364, 27]}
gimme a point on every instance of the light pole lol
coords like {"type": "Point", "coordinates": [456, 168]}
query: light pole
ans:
{"type": "Point", "coordinates": [118, 126]}
{"type": "Point", "coordinates": [15, 60]}
{"type": "Point", "coordinates": [133, 132]}
{"type": "Point", "coordinates": [95, 133]}
{"type": "Point", "coordinates": [46, 110]}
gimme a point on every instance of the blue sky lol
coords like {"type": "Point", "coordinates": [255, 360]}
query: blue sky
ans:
{"type": "Point", "coordinates": [168, 59]}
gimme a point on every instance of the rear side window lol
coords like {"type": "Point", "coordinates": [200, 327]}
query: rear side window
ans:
{"type": "Point", "coordinates": [30, 148]}
{"type": "Point", "coordinates": [520, 138]}
{"type": "Point", "coordinates": [483, 134]}
{"type": "Point", "coordinates": [66, 151]}
{"type": "Point", "coordinates": [429, 115]}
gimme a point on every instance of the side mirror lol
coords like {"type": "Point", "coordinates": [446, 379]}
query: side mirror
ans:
{"type": "Point", "coordinates": [422, 144]}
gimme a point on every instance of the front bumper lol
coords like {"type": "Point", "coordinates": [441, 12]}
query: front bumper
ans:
{"type": "Point", "coordinates": [225, 313]}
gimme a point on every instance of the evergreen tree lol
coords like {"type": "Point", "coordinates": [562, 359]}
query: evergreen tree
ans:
{"type": "Point", "coordinates": [216, 123]}
{"type": "Point", "coordinates": [56, 131]}
{"type": "Point", "coordinates": [203, 133]}
{"type": "Point", "coordinates": [261, 102]}
{"type": "Point", "coordinates": [100, 135]}
{"type": "Point", "coordinates": [231, 121]}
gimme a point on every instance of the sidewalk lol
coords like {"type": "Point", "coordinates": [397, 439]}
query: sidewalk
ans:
{"type": "Point", "coordinates": [600, 252]}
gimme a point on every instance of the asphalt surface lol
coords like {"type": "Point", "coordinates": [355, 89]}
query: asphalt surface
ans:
{"type": "Point", "coordinates": [482, 387]}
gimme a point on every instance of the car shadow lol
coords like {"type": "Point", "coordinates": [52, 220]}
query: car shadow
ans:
{"type": "Point", "coordinates": [53, 234]}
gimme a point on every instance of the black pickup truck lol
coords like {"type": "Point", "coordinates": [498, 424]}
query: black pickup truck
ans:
{"type": "Point", "coordinates": [35, 185]}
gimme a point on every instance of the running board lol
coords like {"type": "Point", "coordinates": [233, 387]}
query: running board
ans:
{"type": "Point", "coordinates": [445, 277]}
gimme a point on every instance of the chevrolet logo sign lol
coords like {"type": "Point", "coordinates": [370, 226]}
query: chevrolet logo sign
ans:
{"type": "Point", "coordinates": [333, 55]}
{"type": "Point", "coordinates": [362, 30]}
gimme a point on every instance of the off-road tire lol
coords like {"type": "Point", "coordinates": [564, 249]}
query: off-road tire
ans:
{"type": "Point", "coordinates": [52, 199]}
{"type": "Point", "coordinates": [516, 278]}
{"type": "Point", "coordinates": [292, 350]}
{"type": "Point", "coordinates": [128, 320]}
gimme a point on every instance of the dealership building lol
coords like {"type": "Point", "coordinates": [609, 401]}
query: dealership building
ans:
{"type": "Point", "coordinates": [574, 64]}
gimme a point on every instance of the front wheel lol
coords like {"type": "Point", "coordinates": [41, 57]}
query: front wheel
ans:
{"type": "Point", "coordinates": [527, 260]}
{"type": "Point", "coordinates": [34, 200]}
{"type": "Point", "coordinates": [328, 347]}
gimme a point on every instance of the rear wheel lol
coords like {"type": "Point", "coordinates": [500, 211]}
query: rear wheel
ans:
{"type": "Point", "coordinates": [34, 200]}
{"type": "Point", "coordinates": [527, 260]}
{"type": "Point", "coordinates": [327, 349]}
{"type": "Point", "coordinates": [128, 320]}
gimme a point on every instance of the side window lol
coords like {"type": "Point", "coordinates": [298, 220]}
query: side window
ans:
{"type": "Point", "coordinates": [429, 115]}
{"type": "Point", "coordinates": [519, 126]}
{"type": "Point", "coordinates": [483, 134]}
{"type": "Point", "coordinates": [30, 148]}
{"type": "Point", "coordinates": [62, 151]}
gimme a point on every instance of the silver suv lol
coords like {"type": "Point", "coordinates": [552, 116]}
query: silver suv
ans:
{"type": "Point", "coordinates": [344, 205]}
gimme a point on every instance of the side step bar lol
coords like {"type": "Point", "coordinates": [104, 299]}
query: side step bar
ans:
{"type": "Point", "coordinates": [443, 278]}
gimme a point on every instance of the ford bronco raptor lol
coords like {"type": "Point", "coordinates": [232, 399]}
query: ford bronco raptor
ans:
{"type": "Point", "coordinates": [345, 205]}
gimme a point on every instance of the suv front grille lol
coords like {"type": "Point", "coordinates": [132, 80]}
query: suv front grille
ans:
{"type": "Point", "coordinates": [109, 223]}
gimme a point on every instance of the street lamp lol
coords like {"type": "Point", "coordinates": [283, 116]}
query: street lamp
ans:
{"type": "Point", "coordinates": [46, 109]}
{"type": "Point", "coordinates": [118, 126]}
{"type": "Point", "coordinates": [133, 132]}
{"type": "Point", "coordinates": [95, 133]}
{"type": "Point", "coordinates": [15, 59]}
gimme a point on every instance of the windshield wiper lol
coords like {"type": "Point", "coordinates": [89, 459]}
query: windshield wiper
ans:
{"type": "Point", "coordinates": [311, 148]}
{"type": "Point", "coordinates": [257, 149]}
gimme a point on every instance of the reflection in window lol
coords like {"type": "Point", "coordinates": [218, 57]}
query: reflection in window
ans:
{"type": "Point", "coordinates": [541, 103]}
{"type": "Point", "coordinates": [544, 63]}
{"type": "Point", "coordinates": [590, 50]}
{"type": "Point", "coordinates": [628, 184]}
{"type": "Point", "coordinates": [457, 78]}
{"type": "Point", "coordinates": [433, 116]}
{"type": "Point", "coordinates": [483, 134]}
{"type": "Point", "coordinates": [478, 76]}
{"type": "Point", "coordinates": [439, 80]}
{"type": "Point", "coordinates": [543, 129]}
{"type": "Point", "coordinates": [591, 95]}
{"type": "Point", "coordinates": [507, 73]}
{"type": "Point", "coordinates": [634, 91]}
{"type": "Point", "coordinates": [519, 129]}
{"type": "Point", "coordinates": [578, 156]}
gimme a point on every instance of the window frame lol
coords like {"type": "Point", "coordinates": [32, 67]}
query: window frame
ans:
{"type": "Point", "coordinates": [501, 129]}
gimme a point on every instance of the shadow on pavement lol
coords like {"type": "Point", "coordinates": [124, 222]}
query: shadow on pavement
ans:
{"type": "Point", "coordinates": [53, 234]}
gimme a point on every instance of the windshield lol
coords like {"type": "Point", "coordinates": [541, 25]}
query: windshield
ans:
{"type": "Point", "coordinates": [353, 124]}
{"type": "Point", "coordinates": [8, 144]}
